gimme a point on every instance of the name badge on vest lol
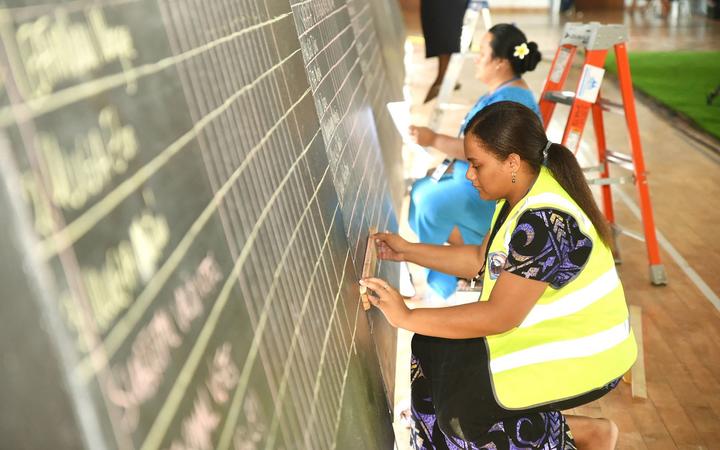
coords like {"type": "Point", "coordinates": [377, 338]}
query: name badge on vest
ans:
{"type": "Point", "coordinates": [497, 262]}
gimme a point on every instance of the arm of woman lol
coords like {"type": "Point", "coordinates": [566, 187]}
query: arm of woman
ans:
{"type": "Point", "coordinates": [511, 300]}
{"type": "Point", "coordinates": [451, 146]}
{"type": "Point", "coordinates": [460, 260]}
{"type": "Point", "coordinates": [518, 287]}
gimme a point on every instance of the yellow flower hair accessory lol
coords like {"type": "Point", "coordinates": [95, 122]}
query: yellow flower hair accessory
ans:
{"type": "Point", "coordinates": [521, 50]}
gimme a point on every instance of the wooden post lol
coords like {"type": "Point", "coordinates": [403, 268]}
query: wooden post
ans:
{"type": "Point", "coordinates": [636, 375]}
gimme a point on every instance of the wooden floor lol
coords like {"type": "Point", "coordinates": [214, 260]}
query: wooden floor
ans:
{"type": "Point", "coordinates": [681, 327]}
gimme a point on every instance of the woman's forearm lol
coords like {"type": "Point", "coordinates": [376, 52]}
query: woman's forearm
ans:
{"type": "Point", "coordinates": [466, 321]}
{"type": "Point", "coordinates": [460, 260]}
{"type": "Point", "coordinates": [451, 146]}
{"type": "Point", "coordinates": [510, 302]}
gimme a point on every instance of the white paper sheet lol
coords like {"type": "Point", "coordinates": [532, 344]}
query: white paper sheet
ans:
{"type": "Point", "coordinates": [400, 113]}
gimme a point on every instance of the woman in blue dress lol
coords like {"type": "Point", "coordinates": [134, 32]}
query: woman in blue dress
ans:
{"type": "Point", "coordinates": [449, 209]}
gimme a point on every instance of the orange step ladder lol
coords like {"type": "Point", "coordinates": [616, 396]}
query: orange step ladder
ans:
{"type": "Point", "coordinates": [597, 39]}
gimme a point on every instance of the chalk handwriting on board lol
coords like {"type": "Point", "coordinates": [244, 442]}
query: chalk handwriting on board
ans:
{"type": "Point", "coordinates": [83, 170]}
{"type": "Point", "coordinates": [249, 435]}
{"type": "Point", "coordinates": [314, 76]}
{"type": "Point", "coordinates": [198, 428]}
{"type": "Point", "coordinates": [188, 298]}
{"type": "Point", "coordinates": [54, 49]}
{"type": "Point", "coordinates": [141, 375]}
{"type": "Point", "coordinates": [111, 288]}
{"type": "Point", "coordinates": [310, 12]}
{"type": "Point", "coordinates": [309, 47]}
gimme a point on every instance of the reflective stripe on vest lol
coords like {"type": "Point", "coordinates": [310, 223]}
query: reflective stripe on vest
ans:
{"type": "Point", "coordinates": [573, 348]}
{"type": "Point", "coordinates": [574, 301]}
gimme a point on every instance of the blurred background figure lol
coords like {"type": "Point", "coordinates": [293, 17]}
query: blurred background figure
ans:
{"type": "Point", "coordinates": [441, 25]}
{"type": "Point", "coordinates": [449, 209]}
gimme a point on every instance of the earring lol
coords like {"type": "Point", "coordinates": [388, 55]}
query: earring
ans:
{"type": "Point", "coordinates": [514, 177]}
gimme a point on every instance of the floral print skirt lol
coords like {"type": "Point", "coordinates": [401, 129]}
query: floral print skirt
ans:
{"type": "Point", "coordinates": [536, 430]}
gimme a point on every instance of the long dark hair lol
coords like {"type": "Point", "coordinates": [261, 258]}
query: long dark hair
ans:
{"type": "Point", "coordinates": [505, 37]}
{"type": "Point", "coordinates": [509, 127]}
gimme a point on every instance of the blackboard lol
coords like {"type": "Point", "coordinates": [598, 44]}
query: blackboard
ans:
{"type": "Point", "coordinates": [185, 192]}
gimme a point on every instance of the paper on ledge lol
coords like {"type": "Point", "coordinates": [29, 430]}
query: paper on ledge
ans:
{"type": "Point", "coordinates": [400, 113]}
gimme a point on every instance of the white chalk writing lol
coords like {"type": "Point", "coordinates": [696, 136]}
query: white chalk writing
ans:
{"type": "Point", "coordinates": [83, 170]}
{"type": "Point", "coordinates": [55, 49]}
{"type": "Point", "coordinates": [111, 288]}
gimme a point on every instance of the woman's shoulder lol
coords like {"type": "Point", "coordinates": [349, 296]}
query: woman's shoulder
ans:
{"type": "Point", "coordinates": [548, 245]}
{"type": "Point", "coordinates": [517, 94]}
{"type": "Point", "coordinates": [513, 91]}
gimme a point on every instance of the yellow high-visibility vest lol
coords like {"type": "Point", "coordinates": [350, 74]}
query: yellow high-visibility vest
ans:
{"type": "Point", "coordinates": [576, 338]}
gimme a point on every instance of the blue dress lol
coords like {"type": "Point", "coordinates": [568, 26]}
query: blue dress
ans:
{"type": "Point", "coordinates": [438, 207]}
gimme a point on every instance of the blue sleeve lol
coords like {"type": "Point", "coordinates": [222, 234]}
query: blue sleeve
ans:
{"type": "Point", "coordinates": [479, 105]}
{"type": "Point", "coordinates": [510, 93]}
{"type": "Point", "coordinates": [518, 95]}
{"type": "Point", "coordinates": [547, 245]}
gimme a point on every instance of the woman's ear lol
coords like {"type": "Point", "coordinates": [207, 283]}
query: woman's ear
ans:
{"type": "Point", "coordinates": [513, 161]}
{"type": "Point", "coordinates": [502, 63]}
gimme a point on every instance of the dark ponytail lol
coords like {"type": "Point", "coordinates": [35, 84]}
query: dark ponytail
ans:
{"type": "Point", "coordinates": [505, 37]}
{"type": "Point", "coordinates": [566, 170]}
{"type": "Point", "coordinates": [509, 127]}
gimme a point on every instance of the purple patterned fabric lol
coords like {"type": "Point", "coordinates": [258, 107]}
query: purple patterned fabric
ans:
{"type": "Point", "coordinates": [540, 430]}
{"type": "Point", "coordinates": [547, 245]}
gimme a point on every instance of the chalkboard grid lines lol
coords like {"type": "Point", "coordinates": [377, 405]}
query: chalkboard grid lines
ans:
{"type": "Point", "coordinates": [374, 72]}
{"type": "Point", "coordinates": [120, 332]}
{"type": "Point", "coordinates": [282, 184]}
{"type": "Point", "coordinates": [334, 408]}
{"type": "Point", "coordinates": [258, 333]}
{"type": "Point", "coordinates": [265, 317]}
{"type": "Point", "coordinates": [333, 66]}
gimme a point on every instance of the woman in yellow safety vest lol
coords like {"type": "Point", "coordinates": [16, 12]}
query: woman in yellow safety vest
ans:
{"type": "Point", "coordinates": [550, 330]}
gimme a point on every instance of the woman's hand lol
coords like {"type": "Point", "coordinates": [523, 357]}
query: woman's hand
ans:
{"type": "Point", "coordinates": [388, 300]}
{"type": "Point", "coordinates": [391, 246]}
{"type": "Point", "coordinates": [423, 135]}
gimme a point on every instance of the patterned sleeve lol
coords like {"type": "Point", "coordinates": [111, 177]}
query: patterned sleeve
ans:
{"type": "Point", "coordinates": [547, 245]}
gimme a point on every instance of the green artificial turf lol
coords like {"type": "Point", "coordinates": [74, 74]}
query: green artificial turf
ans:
{"type": "Point", "coordinates": [680, 81]}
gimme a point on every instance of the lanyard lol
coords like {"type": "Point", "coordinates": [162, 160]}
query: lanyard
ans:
{"type": "Point", "coordinates": [506, 82]}
{"type": "Point", "coordinates": [502, 216]}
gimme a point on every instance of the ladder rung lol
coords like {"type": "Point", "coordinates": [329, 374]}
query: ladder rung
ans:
{"type": "Point", "coordinates": [589, 169]}
{"type": "Point", "coordinates": [616, 180]}
{"type": "Point", "coordinates": [567, 97]}
{"type": "Point", "coordinates": [564, 97]}
{"type": "Point", "coordinates": [621, 159]}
